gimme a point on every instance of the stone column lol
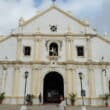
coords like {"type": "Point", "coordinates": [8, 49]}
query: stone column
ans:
{"type": "Point", "coordinates": [35, 81]}
{"type": "Point", "coordinates": [72, 50]}
{"type": "Point", "coordinates": [4, 78]}
{"type": "Point", "coordinates": [37, 49]}
{"type": "Point", "coordinates": [66, 83]}
{"type": "Point", "coordinates": [89, 49]}
{"type": "Point", "coordinates": [104, 81]}
{"type": "Point", "coordinates": [68, 49]}
{"type": "Point", "coordinates": [40, 82]}
{"type": "Point", "coordinates": [16, 84]}
{"type": "Point", "coordinates": [92, 89]}
{"type": "Point", "coordinates": [69, 80]}
{"type": "Point", "coordinates": [74, 81]}
{"type": "Point", "coordinates": [19, 50]}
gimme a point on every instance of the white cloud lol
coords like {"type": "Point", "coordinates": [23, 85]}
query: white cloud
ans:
{"type": "Point", "coordinates": [12, 10]}
{"type": "Point", "coordinates": [102, 19]}
{"type": "Point", "coordinates": [78, 6]}
{"type": "Point", "coordinates": [96, 10]}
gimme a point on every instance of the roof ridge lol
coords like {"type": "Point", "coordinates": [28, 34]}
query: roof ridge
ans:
{"type": "Point", "coordinates": [5, 38]}
{"type": "Point", "coordinates": [104, 38]}
{"type": "Point", "coordinates": [53, 6]}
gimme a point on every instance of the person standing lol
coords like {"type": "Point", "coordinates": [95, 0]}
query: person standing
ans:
{"type": "Point", "coordinates": [40, 98]}
{"type": "Point", "coordinates": [62, 105]}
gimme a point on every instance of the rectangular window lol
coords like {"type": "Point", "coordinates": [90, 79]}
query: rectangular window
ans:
{"type": "Point", "coordinates": [80, 51]}
{"type": "Point", "coordinates": [27, 50]}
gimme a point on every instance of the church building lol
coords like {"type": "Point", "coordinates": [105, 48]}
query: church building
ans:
{"type": "Point", "coordinates": [60, 54]}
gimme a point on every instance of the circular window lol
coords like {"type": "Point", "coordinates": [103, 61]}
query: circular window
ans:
{"type": "Point", "coordinates": [53, 28]}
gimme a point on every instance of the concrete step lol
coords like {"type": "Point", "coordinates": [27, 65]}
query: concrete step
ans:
{"type": "Point", "coordinates": [49, 107]}
{"type": "Point", "coordinates": [87, 108]}
{"type": "Point", "coordinates": [9, 107]}
{"type": "Point", "coordinates": [34, 107]}
{"type": "Point", "coordinates": [43, 107]}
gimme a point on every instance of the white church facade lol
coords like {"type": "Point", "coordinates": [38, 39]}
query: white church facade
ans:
{"type": "Point", "coordinates": [53, 47]}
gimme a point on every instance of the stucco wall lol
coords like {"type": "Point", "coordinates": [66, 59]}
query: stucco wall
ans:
{"type": "Point", "coordinates": [8, 49]}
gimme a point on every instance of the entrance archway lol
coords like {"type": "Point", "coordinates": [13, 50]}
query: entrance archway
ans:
{"type": "Point", "coordinates": [53, 87]}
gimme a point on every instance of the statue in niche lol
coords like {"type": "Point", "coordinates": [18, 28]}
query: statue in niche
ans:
{"type": "Point", "coordinates": [53, 52]}
{"type": "Point", "coordinates": [53, 49]}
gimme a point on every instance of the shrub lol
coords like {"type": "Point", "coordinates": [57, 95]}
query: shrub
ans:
{"type": "Point", "coordinates": [2, 95]}
{"type": "Point", "coordinates": [72, 97]}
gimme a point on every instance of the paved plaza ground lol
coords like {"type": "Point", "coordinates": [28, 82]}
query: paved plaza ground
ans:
{"type": "Point", "coordinates": [48, 107]}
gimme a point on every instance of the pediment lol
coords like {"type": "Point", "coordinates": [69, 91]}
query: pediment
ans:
{"type": "Point", "coordinates": [53, 16]}
{"type": "Point", "coordinates": [54, 7]}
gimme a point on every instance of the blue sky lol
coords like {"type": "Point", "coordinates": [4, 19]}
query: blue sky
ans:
{"type": "Point", "coordinates": [97, 12]}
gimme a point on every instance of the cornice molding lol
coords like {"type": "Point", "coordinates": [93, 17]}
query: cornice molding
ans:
{"type": "Point", "coordinates": [72, 35]}
{"type": "Point", "coordinates": [84, 63]}
{"type": "Point", "coordinates": [105, 39]}
{"type": "Point", "coordinates": [54, 35]}
{"type": "Point", "coordinates": [67, 35]}
{"type": "Point", "coordinates": [24, 63]}
{"type": "Point", "coordinates": [59, 63]}
{"type": "Point", "coordinates": [5, 38]}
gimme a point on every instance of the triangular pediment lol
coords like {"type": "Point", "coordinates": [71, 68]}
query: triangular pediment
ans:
{"type": "Point", "coordinates": [64, 21]}
{"type": "Point", "coordinates": [54, 7]}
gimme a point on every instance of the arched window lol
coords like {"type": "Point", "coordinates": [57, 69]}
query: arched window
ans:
{"type": "Point", "coordinates": [53, 49]}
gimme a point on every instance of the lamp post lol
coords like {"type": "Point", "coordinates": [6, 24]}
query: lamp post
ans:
{"type": "Point", "coordinates": [82, 91]}
{"type": "Point", "coordinates": [104, 80]}
{"type": "Point", "coordinates": [26, 76]}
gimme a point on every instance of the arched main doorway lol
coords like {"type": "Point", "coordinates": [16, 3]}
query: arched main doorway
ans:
{"type": "Point", "coordinates": [53, 87]}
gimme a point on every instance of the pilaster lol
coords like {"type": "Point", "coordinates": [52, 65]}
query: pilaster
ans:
{"type": "Point", "coordinates": [69, 48]}
{"type": "Point", "coordinates": [69, 80]}
{"type": "Point", "coordinates": [37, 49]}
{"type": "Point", "coordinates": [89, 49]}
{"type": "Point", "coordinates": [92, 88]}
{"type": "Point", "coordinates": [19, 50]}
{"type": "Point", "coordinates": [105, 81]}
{"type": "Point", "coordinates": [72, 50]}
{"type": "Point", "coordinates": [4, 78]}
{"type": "Point", "coordinates": [16, 83]}
{"type": "Point", "coordinates": [74, 80]}
{"type": "Point", "coordinates": [35, 81]}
